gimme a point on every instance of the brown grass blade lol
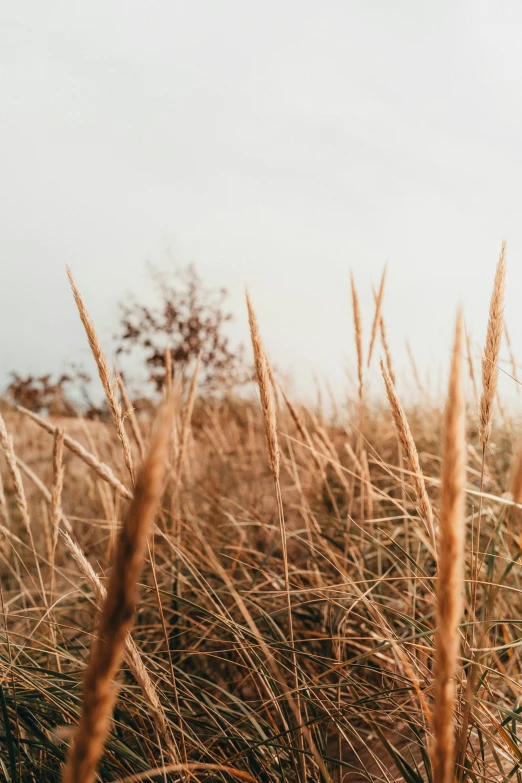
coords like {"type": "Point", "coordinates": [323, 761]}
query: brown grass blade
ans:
{"type": "Point", "coordinates": [40, 486]}
{"type": "Point", "coordinates": [109, 386]}
{"type": "Point", "coordinates": [265, 390]}
{"type": "Point", "coordinates": [358, 334]}
{"type": "Point", "coordinates": [6, 443]}
{"type": "Point", "coordinates": [57, 488]}
{"type": "Point", "coordinates": [492, 349]}
{"type": "Point", "coordinates": [117, 613]}
{"type": "Point", "coordinates": [130, 414]}
{"type": "Point", "coordinates": [450, 577]}
{"type": "Point", "coordinates": [386, 349]}
{"type": "Point", "coordinates": [377, 316]}
{"type": "Point", "coordinates": [410, 450]}
{"type": "Point", "coordinates": [100, 468]}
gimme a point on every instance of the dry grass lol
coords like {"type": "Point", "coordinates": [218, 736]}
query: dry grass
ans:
{"type": "Point", "coordinates": [308, 610]}
{"type": "Point", "coordinates": [357, 325]}
{"type": "Point", "coordinates": [450, 576]}
{"type": "Point", "coordinates": [412, 457]}
{"type": "Point", "coordinates": [117, 612]}
{"type": "Point", "coordinates": [109, 385]}
{"type": "Point", "coordinates": [492, 349]}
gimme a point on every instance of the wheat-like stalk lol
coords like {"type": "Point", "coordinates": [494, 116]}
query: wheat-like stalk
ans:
{"type": "Point", "coordinates": [109, 386]}
{"type": "Point", "coordinates": [100, 468]}
{"type": "Point", "coordinates": [57, 487]}
{"type": "Point", "coordinates": [450, 577]}
{"type": "Point", "coordinates": [40, 486]}
{"type": "Point", "coordinates": [302, 430]}
{"type": "Point", "coordinates": [377, 316]}
{"type": "Point", "coordinates": [56, 502]}
{"type": "Point", "coordinates": [117, 612]}
{"type": "Point", "coordinates": [492, 349]}
{"type": "Point", "coordinates": [490, 360]}
{"type": "Point", "coordinates": [386, 349]}
{"type": "Point", "coordinates": [333, 457]}
{"type": "Point", "coordinates": [270, 425]}
{"type": "Point", "coordinates": [410, 450]}
{"type": "Point", "coordinates": [357, 323]}
{"type": "Point", "coordinates": [265, 391]}
{"type": "Point", "coordinates": [6, 443]}
{"type": "Point", "coordinates": [130, 414]}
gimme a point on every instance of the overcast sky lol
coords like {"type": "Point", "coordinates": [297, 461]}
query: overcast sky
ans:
{"type": "Point", "coordinates": [276, 144]}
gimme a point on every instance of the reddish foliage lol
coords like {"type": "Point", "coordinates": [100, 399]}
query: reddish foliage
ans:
{"type": "Point", "coordinates": [188, 318]}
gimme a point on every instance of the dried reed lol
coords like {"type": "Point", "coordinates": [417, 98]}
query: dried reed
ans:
{"type": "Point", "coordinates": [450, 576]}
{"type": "Point", "coordinates": [386, 349]}
{"type": "Point", "coordinates": [57, 488]}
{"type": "Point", "coordinates": [117, 613]}
{"type": "Point", "coordinates": [377, 316]}
{"type": "Point", "coordinates": [265, 391]}
{"type": "Point", "coordinates": [492, 349]}
{"type": "Point", "coordinates": [410, 450]}
{"type": "Point", "coordinates": [6, 443]}
{"type": "Point", "coordinates": [358, 334]}
{"type": "Point", "coordinates": [109, 386]}
{"type": "Point", "coordinates": [130, 414]}
{"type": "Point", "coordinates": [270, 426]}
{"type": "Point", "coordinates": [31, 475]}
{"type": "Point", "coordinates": [56, 504]}
{"type": "Point", "coordinates": [489, 393]}
{"type": "Point", "coordinates": [100, 468]}
{"type": "Point", "coordinates": [302, 430]}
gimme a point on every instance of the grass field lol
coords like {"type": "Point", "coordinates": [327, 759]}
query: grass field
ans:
{"type": "Point", "coordinates": [319, 595]}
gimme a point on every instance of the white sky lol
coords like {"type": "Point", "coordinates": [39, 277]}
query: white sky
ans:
{"type": "Point", "coordinates": [276, 144]}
